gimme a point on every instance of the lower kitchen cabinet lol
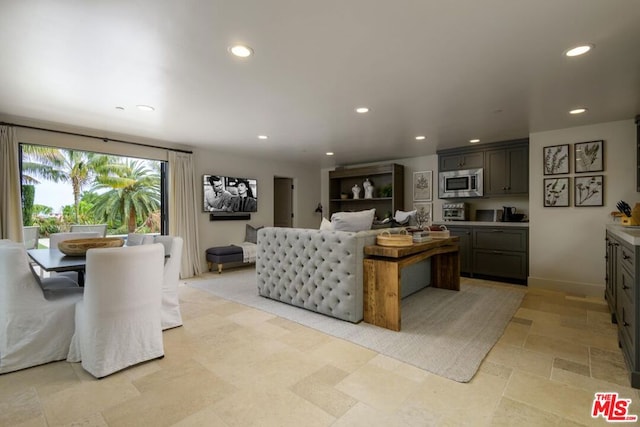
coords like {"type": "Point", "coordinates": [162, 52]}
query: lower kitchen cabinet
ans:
{"type": "Point", "coordinates": [622, 295]}
{"type": "Point", "coordinates": [464, 233]}
{"type": "Point", "coordinates": [496, 251]}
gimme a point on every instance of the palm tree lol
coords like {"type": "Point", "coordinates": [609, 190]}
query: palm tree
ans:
{"type": "Point", "coordinates": [132, 193]}
{"type": "Point", "coordinates": [60, 165]}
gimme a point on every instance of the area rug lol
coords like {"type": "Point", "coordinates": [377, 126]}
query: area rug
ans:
{"type": "Point", "coordinates": [444, 332]}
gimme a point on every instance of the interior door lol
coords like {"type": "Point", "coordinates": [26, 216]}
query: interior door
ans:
{"type": "Point", "coordinates": [282, 202]}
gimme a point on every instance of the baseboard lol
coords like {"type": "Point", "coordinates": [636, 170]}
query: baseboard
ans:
{"type": "Point", "coordinates": [572, 288]}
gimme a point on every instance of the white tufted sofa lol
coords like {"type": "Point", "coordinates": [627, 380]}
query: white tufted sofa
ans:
{"type": "Point", "coordinates": [318, 270]}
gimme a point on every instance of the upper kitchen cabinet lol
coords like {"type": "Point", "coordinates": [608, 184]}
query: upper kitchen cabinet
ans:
{"type": "Point", "coordinates": [507, 170]}
{"type": "Point", "coordinates": [460, 159]}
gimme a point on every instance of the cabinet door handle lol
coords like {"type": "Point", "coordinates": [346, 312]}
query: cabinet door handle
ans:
{"type": "Point", "coordinates": [625, 256]}
{"type": "Point", "coordinates": [497, 252]}
{"type": "Point", "coordinates": [625, 287]}
{"type": "Point", "coordinates": [497, 231]}
{"type": "Point", "coordinates": [626, 323]}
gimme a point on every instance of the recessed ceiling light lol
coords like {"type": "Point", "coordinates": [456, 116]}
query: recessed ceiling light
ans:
{"type": "Point", "coordinates": [579, 50]}
{"type": "Point", "coordinates": [362, 110]}
{"type": "Point", "coordinates": [329, 153]}
{"type": "Point", "coordinates": [241, 51]}
{"type": "Point", "coordinates": [578, 111]}
{"type": "Point", "coordinates": [263, 137]}
{"type": "Point", "coordinates": [145, 108]}
{"type": "Point", "coordinates": [474, 141]}
{"type": "Point", "coordinates": [420, 137]}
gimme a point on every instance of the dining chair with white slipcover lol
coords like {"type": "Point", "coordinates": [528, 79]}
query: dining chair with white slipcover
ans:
{"type": "Point", "coordinates": [36, 324]}
{"type": "Point", "coordinates": [81, 228]}
{"type": "Point", "coordinates": [118, 323]}
{"type": "Point", "coordinates": [30, 236]}
{"type": "Point", "coordinates": [171, 316]}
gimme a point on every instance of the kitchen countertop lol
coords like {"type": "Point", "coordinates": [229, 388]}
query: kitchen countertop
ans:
{"type": "Point", "coordinates": [630, 235]}
{"type": "Point", "coordinates": [484, 224]}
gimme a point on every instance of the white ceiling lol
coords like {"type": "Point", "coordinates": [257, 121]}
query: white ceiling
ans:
{"type": "Point", "coordinates": [451, 70]}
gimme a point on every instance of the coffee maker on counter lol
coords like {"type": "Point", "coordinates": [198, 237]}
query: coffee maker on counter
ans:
{"type": "Point", "coordinates": [509, 214]}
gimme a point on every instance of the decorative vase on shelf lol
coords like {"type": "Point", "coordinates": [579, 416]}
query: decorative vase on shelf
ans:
{"type": "Point", "coordinates": [356, 191]}
{"type": "Point", "coordinates": [368, 189]}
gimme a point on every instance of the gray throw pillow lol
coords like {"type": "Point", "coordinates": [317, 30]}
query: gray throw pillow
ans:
{"type": "Point", "coordinates": [251, 234]}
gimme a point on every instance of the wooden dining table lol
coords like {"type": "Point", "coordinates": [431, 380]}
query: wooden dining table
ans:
{"type": "Point", "coordinates": [55, 260]}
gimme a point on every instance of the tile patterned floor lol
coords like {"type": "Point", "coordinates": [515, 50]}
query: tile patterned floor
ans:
{"type": "Point", "coordinates": [231, 365]}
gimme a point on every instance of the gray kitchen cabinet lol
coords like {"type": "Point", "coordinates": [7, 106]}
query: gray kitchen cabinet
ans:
{"type": "Point", "coordinates": [461, 159]}
{"type": "Point", "coordinates": [496, 251]}
{"type": "Point", "coordinates": [622, 295]}
{"type": "Point", "coordinates": [501, 252]}
{"type": "Point", "coordinates": [464, 233]}
{"type": "Point", "coordinates": [507, 171]}
{"type": "Point", "coordinates": [610, 276]}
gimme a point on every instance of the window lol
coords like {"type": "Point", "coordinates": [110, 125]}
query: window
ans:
{"type": "Point", "coordinates": [61, 187]}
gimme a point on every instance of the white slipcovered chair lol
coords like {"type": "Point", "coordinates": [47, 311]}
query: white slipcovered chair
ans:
{"type": "Point", "coordinates": [118, 322]}
{"type": "Point", "coordinates": [30, 236]}
{"type": "Point", "coordinates": [81, 228]}
{"type": "Point", "coordinates": [36, 325]}
{"type": "Point", "coordinates": [171, 316]}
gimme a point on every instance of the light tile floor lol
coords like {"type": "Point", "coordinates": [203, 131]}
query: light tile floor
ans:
{"type": "Point", "coordinates": [231, 365]}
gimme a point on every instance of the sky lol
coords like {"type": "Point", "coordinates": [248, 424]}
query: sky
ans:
{"type": "Point", "coordinates": [53, 195]}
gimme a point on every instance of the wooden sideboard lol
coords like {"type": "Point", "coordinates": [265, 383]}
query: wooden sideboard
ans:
{"type": "Point", "coordinates": [383, 276]}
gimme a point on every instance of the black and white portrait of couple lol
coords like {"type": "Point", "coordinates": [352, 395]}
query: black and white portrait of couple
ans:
{"type": "Point", "coordinates": [227, 194]}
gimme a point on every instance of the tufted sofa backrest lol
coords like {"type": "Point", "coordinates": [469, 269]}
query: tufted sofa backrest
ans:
{"type": "Point", "coordinates": [319, 270]}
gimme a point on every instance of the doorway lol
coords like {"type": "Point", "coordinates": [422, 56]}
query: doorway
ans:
{"type": "Point", "coordinates": [282, 202]}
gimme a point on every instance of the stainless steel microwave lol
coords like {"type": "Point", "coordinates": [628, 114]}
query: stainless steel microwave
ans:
{"type": "Point", "coordinates": [460, 183]}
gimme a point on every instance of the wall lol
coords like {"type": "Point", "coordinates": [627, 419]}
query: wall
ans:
{"type": "Point", "coordinates": [211, 233]}
{"type": "Point", "coordinates": [566, 245]}
{"type": "Point", "coordinates": [430, 163]}
{"type": "Point", "coordinates": [306, 194]}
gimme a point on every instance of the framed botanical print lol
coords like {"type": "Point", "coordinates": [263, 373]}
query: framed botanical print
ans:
{"type": "Point", "coordinates": [423, 186]}
{"type": "Point", "coordinates": [424, 213]}
{"type": "Point", "coordinates": [589, 190]}
{"type": "Point", "coordinates": [589, 156]}
{"type": "Point", "coordinates": [556, 159]}
{"type": "Point", "coordinates": [556, 192]}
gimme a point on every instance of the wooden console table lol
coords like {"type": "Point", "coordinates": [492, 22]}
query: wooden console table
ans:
{"type": "Point", "coordinates": [383, 274]}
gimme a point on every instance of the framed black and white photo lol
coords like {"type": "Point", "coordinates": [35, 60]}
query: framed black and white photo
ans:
{"type": "Point", "coordinates": [589, 156]}
{"type": "Point", "coordinates": [589, 190]}
{"type": "Point", "coordinates": [556, 192]}
{"type": "Point", "coordinates": [423, 186]}
{"type": "Point", "coordinates": [556, 159]}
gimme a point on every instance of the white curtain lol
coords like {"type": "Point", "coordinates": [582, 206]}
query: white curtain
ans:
{"type": "Point", "coordinates": [183, 217]}
{"type": "Point", "coordinates": [10, 199]}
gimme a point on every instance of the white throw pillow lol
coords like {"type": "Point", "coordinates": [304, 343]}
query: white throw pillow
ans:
{"type": "Point", "coordinates": [353, 221]}
{"type": "Point", "coordinates": [326, 224]}
{"type": "Point", "coordinates": [402, 216]}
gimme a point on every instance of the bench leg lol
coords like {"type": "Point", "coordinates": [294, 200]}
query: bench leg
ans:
{"type": "Point", "coordinates": [209, 265]}
{"type": "Point", "coordinates": [219, 268]}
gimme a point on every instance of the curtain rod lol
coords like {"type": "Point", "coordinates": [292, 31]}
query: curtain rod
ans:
{"type": "Point", "coordinates": [97, 137]}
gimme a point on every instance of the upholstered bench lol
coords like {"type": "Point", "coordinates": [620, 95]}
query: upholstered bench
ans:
{"type": "Point", "coordinates": [245, 252]}
{"type": "Point", "coordinates": [223, 254]}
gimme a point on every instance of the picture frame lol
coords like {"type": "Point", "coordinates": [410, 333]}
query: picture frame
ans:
{"type": "Point", "coordinates": [424, 213]}
{"type": "Point", "coordinates": [556, 159]}
{"type": "Point", "coordinates": [589, 190]}
{"type": "Point", "coordinates": [556, 192]}
{"type": "Point", "coordinates": [589, 156]}
{"type": "Point", "coordinates": [423, 186]}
